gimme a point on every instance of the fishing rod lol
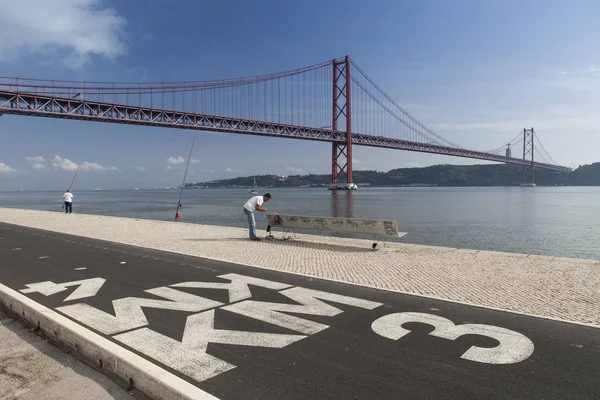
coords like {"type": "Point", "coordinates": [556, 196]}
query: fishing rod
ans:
{"type": "Point", "coordinates": [75, 176]}
{"type": "Point", "coordinates": [177, 216]}
{"type": "Point", "coordinates": [71, 185]}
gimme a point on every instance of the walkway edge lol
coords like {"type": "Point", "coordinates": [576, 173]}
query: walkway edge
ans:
{"type": "Point", "coordinates": [147, 377]}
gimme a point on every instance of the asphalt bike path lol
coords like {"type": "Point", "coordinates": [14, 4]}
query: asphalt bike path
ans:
{"type": "Point", "coordinates": [240, 332]}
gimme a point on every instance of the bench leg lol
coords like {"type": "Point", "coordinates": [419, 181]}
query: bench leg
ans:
{"type": "Point", "coordinates": [377, 239]}
{"type": "Point", "coordinates": [288, 231]}
{"type": "Point", "coordinates": [285, 235]}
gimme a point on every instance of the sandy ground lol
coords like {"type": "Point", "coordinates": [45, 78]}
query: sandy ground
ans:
{"type": "Point", "coordinates": [31, 368]}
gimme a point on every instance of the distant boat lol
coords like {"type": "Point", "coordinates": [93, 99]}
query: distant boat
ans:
{"type": "Point", "coordinates": [255, 188]}
{"type": "Point", "coordinates": [527, 184]}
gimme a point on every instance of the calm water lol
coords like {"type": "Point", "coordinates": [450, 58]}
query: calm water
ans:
{"type": "Point", "coordinates": [556, 221]}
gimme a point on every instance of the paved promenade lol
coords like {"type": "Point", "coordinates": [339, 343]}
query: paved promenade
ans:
{"type": "Point", "coordinates": [553, 287]}
{"type": "Point", "coordinates": [178, 327]}
{"type": "Point", "coordinates": [31, 368]}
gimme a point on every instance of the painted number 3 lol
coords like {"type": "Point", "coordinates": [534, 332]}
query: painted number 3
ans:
{"type": "Point", "coordinates": [513, 346]}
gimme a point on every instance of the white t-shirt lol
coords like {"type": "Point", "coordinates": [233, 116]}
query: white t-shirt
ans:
{"type": "Point", "coordinates": [253, 202]}
{"type": "Point", "coordinates": [68, 197]}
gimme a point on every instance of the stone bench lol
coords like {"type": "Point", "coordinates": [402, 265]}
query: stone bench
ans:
{"type": "Point", "coordinates": [379, 228]}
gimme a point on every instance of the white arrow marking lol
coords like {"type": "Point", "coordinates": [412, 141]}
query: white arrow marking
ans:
{"type": "Point", "coordinates": [87, 288]}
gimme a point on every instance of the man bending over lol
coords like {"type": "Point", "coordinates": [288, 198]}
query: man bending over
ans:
{"type": "Point", "coordinates": [254, 204]}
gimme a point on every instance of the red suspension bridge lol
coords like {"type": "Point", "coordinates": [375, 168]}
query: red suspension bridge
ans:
{"type": "Point", "coordinates": [322, 102]}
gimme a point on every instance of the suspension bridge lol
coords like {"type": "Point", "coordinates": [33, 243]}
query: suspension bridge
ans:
{"type": "Point", "coordinates": [334, 101]}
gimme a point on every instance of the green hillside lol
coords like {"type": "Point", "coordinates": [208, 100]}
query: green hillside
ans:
{"type": "Point", "coordinates": [437, 175]}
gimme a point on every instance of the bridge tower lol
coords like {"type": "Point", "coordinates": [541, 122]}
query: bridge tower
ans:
{"type": "Point", "coordinates": [528, 150]}
{"type": "Point", "coordinates": [341, 152]}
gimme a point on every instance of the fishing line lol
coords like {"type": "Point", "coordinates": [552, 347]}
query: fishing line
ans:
{"type": "Point", "coordinates": [177, 216]}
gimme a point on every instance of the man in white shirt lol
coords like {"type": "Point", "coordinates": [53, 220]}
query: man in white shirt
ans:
{"type": "Point", "coordinates": [68, 197]}
{"type": "Point", "coordinates": [253, 204]}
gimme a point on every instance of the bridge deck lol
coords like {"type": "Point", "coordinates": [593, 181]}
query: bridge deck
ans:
{"type": "Point", "coordinates": [43, 105]}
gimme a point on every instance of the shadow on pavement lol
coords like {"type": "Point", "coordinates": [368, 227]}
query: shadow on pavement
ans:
{"type": "Point", "coordinates": [298, 243]}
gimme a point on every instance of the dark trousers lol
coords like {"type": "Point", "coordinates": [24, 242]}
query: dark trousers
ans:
{"type": "Point", "coordinates": [68, 207]}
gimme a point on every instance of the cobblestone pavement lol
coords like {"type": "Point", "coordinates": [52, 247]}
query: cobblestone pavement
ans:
{"type": "Point", "coordinates": [554, 287]}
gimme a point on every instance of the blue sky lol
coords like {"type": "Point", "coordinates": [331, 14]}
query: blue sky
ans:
{"type": "Point", "coordinates": [476, 72]}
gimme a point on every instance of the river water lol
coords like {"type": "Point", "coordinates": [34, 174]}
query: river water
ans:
{"type": "Point", "coordinates": [555, 221]}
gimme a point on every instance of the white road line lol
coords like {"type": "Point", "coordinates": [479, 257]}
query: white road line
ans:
{"type": "Point", "coordinates": [17, 248]}
{"type": "Point", "coordinates": [147, 377]}
{"type": "Point", "coordinates": [80, 268]}
{"type": "Point", "coordinates": [43, 257]}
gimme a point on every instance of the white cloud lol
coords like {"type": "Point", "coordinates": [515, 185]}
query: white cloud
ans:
{"type": "Point", "coordinates": [91, 166]}
{"type": "Point", "coordinates": [71, 29]}
{"type": "Point", "coordinates": [35, 159]}
{"type": "Point", "coordinates": [233, 170]}
{"type": "Point", "coordinates": [580, 79]}
{"type": "Point", "coordinates": [37, 162]}
{"type": "Point", "coordinates": [294, 169]}
{"type": "Point", "coordinates": [550, 119]}
{"type": "Point", "coordinates": [5, 169]}
{"type": "Point", "coordinates": [175, 160]}
{"type": "Point", "coordinates": [555, 71]}
{"type": "Point", "coordinates": [194, 161]}
{"type": "Point", "coordinates": [141, 169]}
{"type": "Point", "coordinates": [67, 165]}
{"type": "Point", "coordinates": [64, 163]}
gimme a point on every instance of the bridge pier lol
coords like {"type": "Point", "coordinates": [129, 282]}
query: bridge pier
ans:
{"type": "Point", "coordinates": [528, 148]}
{"type": "Point", "coordinates": [341, 152]}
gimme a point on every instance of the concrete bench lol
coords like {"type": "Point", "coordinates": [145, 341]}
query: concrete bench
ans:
{"type": "Point", "coordinates": [379, 228]}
